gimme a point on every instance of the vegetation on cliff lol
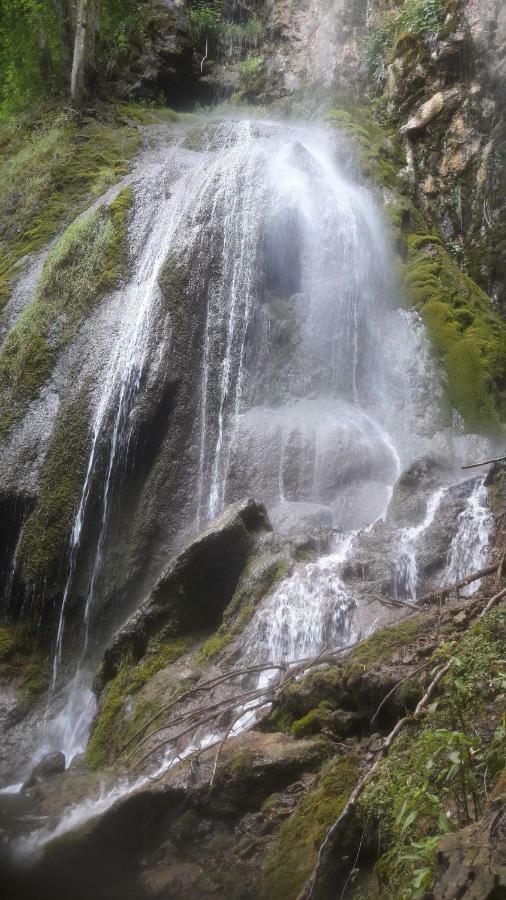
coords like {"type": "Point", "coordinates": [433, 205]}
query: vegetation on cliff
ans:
{"type": "Point", "coordinates": [85, 263]}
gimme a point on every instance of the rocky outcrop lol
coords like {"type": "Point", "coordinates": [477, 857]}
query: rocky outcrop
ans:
{"type": "Point", "coordinates": [471, 863]}
{"type": "Point", "coordinates": [196, 587]}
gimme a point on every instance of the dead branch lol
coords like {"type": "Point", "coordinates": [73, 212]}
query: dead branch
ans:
{"type": "Point", "coordinates": [216, 711]}
{"type": "Point", "coordinates": [493, 602]}
{"type": "Point", "coordinates": [310, 889]}
{"type": "Point", "coordinates": [486, 463]}
{"type": "Point", "coordinates": [442, 593]}
{"type": "Point", "coordinates": [500, 571]}
{"type": "Point", "coordinates": [399, 683]}
{"type": "Point", "coordinates": [298, 666]}
{"type": "Point", "coordinates": [395, 602]}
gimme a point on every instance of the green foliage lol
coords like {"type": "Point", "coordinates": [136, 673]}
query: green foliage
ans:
{"type": "Point", "coordinates": [436, 780]}
{"type": "Point", "coordinates": [417, 21]}
{"type": "Point", "coordinates": [252, 74]}
{"type": "Point", "coordinates": [206, 18]}
{"type": "Point", "coordinates": [238, 35]}
{"type": "Point", "coordinates": [30, 53]}
{"type": "Point", "coordinates": [112, 729]}
{"type": "Point", "coordinates": [292, 857]}
{"type": "Point", "coordinates": [85, 263]}
{"type": "Point", "coordinates": [466, 333]}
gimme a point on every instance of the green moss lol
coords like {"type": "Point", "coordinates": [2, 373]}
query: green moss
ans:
{"type": "Point", "coordinates": [13, 637]}
{"type": "Point", "coordinates": [292, 857]}
{"type": "Point", "coordinates": [45, 536]}
{"type": "Point", "coordinates": [22, 661]}
{"type": "Point", "coordinates": [50, 168]}
{"type": "Point", "coordinates": [315, 721]}
{"type": "Point", "coordinates": [468, 336]}
{"type": "Point", "coordinates": [383, 643]}
{"type": "Point", "coordinates": [379, 151]}
{"type": "Point", "coordinates": [85, 263]}
{"type": "Point", "coordinates": [437, 776]}
{"type": "Point", "coordinates": [112, 729]}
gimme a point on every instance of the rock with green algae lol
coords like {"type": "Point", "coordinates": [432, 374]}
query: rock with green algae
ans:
{"type": "Point", "coordinates": [466, 333]}
{"type": "Point", "coordinates": [52, 165]}
{"type": "Point", "coordinates": [84, 265]}
{"type": "Point", "coordinates": [152, 838]}
{"type": "Point", "coordinates": [42, 550]}
{"type": "Point", "coordinates": [293, 855]}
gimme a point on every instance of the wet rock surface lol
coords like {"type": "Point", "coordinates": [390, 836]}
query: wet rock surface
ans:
{"type": "Point", "coordinates": [197, 586]}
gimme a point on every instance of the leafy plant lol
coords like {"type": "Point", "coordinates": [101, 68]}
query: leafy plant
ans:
{"type": "Point", "coordinates": [416, 21]}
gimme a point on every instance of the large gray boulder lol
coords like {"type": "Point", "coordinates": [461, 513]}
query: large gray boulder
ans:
{"type": "Point", "coordinates": [196, 587]}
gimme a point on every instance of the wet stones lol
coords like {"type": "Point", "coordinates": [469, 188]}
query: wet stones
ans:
{"type": "Point", "coordinates": [50, 765]}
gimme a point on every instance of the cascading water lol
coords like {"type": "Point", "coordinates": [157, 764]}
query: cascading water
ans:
{"type": "Point", "coordinates": [470, 546]}
{"type": "Point", "coordinates": [406, 577]}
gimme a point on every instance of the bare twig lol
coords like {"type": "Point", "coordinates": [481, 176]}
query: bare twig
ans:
{"type": "Point", "coordinates": [399, 683]}
{"type": "Point", "coordinates": [442, 593]}
{"type": "Point", "coordinates": [486, 463]}
{"type": "Point", "coordinates": [500, 571]}
{"type": "Point", "coordinates": [493, 602]}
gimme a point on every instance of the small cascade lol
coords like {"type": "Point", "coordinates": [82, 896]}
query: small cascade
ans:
{"type": "Point", "coordinates": [406, 575]}
{"type": "Point", "coordinates": [309, 611]}
{"type": "Point", "coordinates": [469, 549]}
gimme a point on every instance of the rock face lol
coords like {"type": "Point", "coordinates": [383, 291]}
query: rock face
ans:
{"type": "Point", "coordinates": [471, 863]}
{"type": "Point", "coordinates": [165, 65]}
{"type": "Point", "coordinates": [197, 586]}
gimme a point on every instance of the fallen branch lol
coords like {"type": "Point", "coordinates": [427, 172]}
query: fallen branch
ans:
{"type": "Point", "coordinates": [493, 602]}
{"type": "Point", "coordinates": [500, 571]}
{"type": "Point", "coordinates": [486, 463]}
{"type": "Point", "coordinates": [311, 887]}
{"type": "Point", "coordinates": [442, 593]}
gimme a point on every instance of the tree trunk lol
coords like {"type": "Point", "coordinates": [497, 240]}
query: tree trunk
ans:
{"type": "Point", "coordinates": [63, 18]}
{"type": "Point", "coordinates": [86, 32]}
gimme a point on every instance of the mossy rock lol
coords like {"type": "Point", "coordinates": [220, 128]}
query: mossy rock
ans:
{"type": "Point", "coordinates": [23, 662]}
{"type": "Point", "coordinates": [42, 551]}
{"type": "Point", "coordinates": [51, 166]}
{"type": "Point", "coordinates": [87, 261]}
{"type": "Point", "coordinates": [466, 333]}
{"type": "Point", "coordinates": [113, 729]}
{"type": "Point", "coordinates": [291, 859]}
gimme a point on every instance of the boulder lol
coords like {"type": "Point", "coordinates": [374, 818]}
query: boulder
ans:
{"type": "Point", "coordinates": [412, 489]}
{"type": "Point", "coordinates": [196, 587]}
{"type": "Point", "coordinates": [50, 765]}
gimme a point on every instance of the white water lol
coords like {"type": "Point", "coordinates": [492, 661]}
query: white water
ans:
{"type": "Point", "coordinates": [308, 612]}
{"type": "Point", "coordinates": [470, 547]}
{"type": "Point", "coordinates": [406, 574]}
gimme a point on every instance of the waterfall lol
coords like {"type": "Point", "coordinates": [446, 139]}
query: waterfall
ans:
{"type": "Point", "coordinates": [470, 546]}
{"type": "Point", "coordinates": [301, 401]}
{"type": "Point", "coordinates": [307, 612]}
